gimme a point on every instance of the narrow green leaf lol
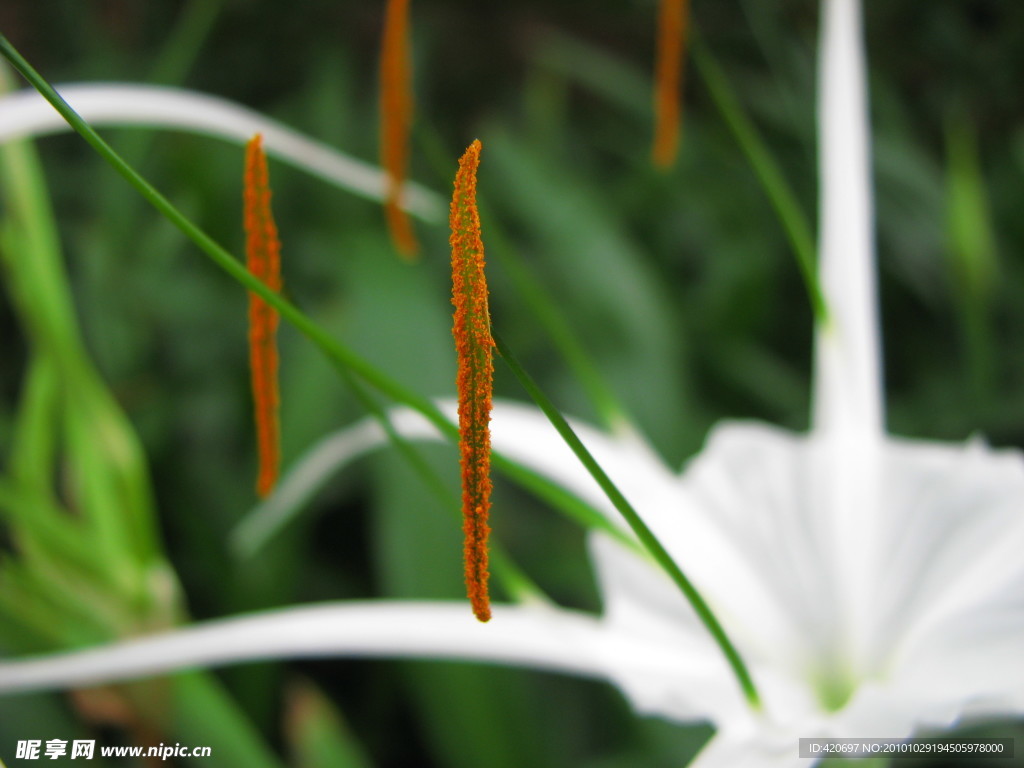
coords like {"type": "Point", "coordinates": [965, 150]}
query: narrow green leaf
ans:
{"type": "Point", "coordinates": [205, 715]}
{"type": "Point", "coordinates": [973, 260]}
{"type": "Point", "coordinates": [781, 196]}
{"type": "Point", "coordinates": [33, 446]}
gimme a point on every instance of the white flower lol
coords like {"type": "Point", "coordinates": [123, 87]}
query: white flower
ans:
{"type": "Point", "coordinates": [873, 585]}
{"type": "Point", "coordinates": [751, 519]}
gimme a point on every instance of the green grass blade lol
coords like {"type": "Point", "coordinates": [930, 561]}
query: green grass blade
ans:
{"type": "Point", "coordinates": [204, 714]}
{"type": "Point", "coordinates": [40, 526]}
{"type": "Point", "coordinates": [34, 445]}
{"type": "Point", "coordinates": [544, 310]}
{"type": "Point", "coordinates": [781, 196]}
{"type": "Point", "coordinates": [627, 88]}
{"type": "Point", "coordinates": [972, 252]}
{"type": "Point", "coordinates": [186, 37]}
{"type": "Point", "coordinates": [117, 500]}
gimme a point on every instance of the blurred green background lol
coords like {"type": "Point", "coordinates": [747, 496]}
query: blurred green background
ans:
{"type": "Point", "coordinates": [681, 286]}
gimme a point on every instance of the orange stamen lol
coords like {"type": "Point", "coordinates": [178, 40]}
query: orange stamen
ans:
{"type": "Point", "coordinates": [396, 121]}
{"type": "Point", "coordinates": [263, 257]}
{"type": "Point", "coordinates": [669, 67]}
{"type": "Point", "coordinates": [474, 345]}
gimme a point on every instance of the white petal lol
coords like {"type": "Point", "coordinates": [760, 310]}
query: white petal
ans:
{"type": "Point", "coordinates": [847, 376]}
{"type": "Point", "coordinates": [742, 750]}
{"type": "Point", "coordinates": [26, 113]}
{"type": "Point", "coordinates": [539, 637]}
{"type": "Point", "coordinates": [521, 433]}
{"type": "Point", "coordinates": [973, 661]}
{"type": "Point", "coordinates": [311, 472]}
{"type": "Point", "coordinates": [954, 531]}
{"type": "Point", "coordinates": [848, 402]}
{"type": "Point", "coordinates": [888, 711]}
{"type": "Point", "coordinates": [750, 539]}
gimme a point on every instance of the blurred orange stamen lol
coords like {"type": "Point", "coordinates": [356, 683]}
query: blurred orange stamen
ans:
{"type": "Point", "coordinates": [669, 68]}
{"type": "Point", "coordinates": [396, 121]}
{"type": "Point", "coordinates": [263, 257]}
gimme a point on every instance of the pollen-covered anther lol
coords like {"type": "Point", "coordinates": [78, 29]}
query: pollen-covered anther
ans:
{"type": "Point", "coordinates": [474, 348]}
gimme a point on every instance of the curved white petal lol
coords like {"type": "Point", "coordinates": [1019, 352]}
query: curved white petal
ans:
{"type": "Point", "coordinates": [523, 434]}
{"type": "Point", "coordinates": [539, 637]}
{"type": "Point", "coordinates": [681, 674]}
{"type": "Point", "coordinates": [519, 432]}
{"type": "Point", "coordinates": [309, 474]}
{"type": "Point", "coordinates": [26, 113]}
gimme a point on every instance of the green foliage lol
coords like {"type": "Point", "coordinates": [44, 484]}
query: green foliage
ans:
{"type": "Point", "coordinates": [125, 434]}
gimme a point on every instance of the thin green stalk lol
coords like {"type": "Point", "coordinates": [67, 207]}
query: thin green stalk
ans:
{"type": "Point", "coordinates": [774, 182]}
{"type": "Point", "coordinates": [173, 62]}
{"type": "Point", "coordinates": [636, 523]}
{"type": "Point", "coordinates": [545, 310]}
{"type": "Point", "coordinates": [973, 260]}
{"type": "Point", "coordinates": [185, 40]}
